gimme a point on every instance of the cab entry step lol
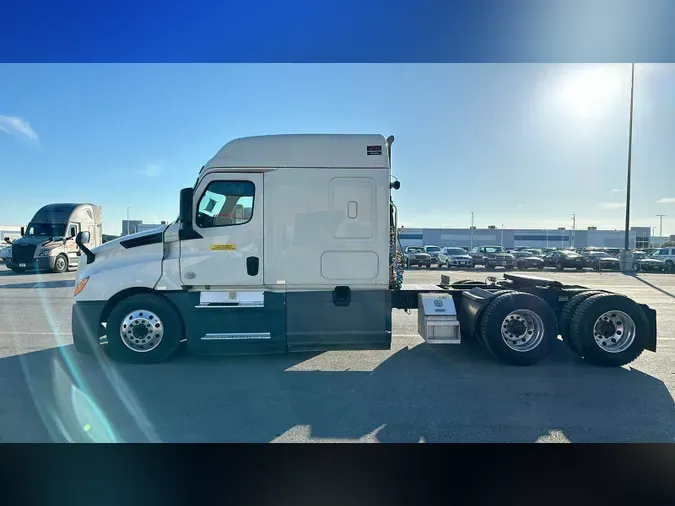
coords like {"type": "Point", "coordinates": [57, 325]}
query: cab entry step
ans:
{"type": "Point", "coordinates": [437, 319]}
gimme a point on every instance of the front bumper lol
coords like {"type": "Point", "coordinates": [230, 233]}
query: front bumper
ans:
{"type": "Point", "coordinates": [499, 262]}
{"type": "Point", "coordinates": [36, 264]}
{"type": "Point", "coordinates": [86, 322]}
{"type": "Point", "coordinates": [460, 263]}
{"type": "Point", "coordinates": [529, 264]}
{"type": "Point", "coordinates": [653, 267]}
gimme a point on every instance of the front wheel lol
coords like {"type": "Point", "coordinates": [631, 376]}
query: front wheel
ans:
{"type": "Point", "coordinates": [670, 266]}
{"type": "Point", "coordinates": [61, 264]}
{"type": "Point", "coordinates": [144, 328]}
{"type": "Point", "coordinates": [487, 264]}
{"type": "Point", "coordinates": [559, 266]}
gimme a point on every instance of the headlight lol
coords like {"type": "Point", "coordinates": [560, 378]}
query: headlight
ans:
{"type": "Point", "coordinates": [6, 252]}
{"type": "Point", "coordinates": [46, 253]}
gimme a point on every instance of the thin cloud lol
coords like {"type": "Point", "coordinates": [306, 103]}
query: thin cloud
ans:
{"type": "Point", "coordinates": [19, 127]}
{"type": "Point", "coordinates": [666, 200]}
{"type": "Point", "coordinates": [612, 205]}
{"type": "Point", "coordinates": [152, 170]}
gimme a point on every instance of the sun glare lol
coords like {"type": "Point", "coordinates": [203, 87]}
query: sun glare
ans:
{"type": "Point", "coordinates": [591, 91]}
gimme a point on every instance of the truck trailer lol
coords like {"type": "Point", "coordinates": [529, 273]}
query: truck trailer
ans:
{"type": "Point", "coordinates": [290, 243]}
{"type": "Point", "coordinates": [48, 242]}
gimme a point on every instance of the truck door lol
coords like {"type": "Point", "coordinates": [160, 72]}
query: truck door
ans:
{"type": "Point", "coordinates": [230, 312]}
{"type": "Point", "coordinates": [72, 249]}
{"type": "Point", "coordinates": [228, 214]}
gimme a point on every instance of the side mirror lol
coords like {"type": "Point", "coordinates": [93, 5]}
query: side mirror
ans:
{"type": "Point", "coordinates": [83, 237]}
{"type": "Point", "coordinates": [185, 210]}
{"type": "Point", "coordinates": [186, 230]}
{"type": "Point", "coordinates": [23, 231]}
{"type": "Point", "coordinates": [8, 240]}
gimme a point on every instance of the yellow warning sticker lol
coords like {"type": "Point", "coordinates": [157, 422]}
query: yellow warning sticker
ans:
{"type": "Point", "coordinates": [223, 247]}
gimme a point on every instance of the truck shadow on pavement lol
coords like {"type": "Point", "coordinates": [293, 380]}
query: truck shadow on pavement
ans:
{"type": "Point", "coordinates": [449, 394]}
{"type": "Point", "coordinates": [64, 283]}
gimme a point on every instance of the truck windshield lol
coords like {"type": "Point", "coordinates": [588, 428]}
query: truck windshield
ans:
{"type": "Point", "coordinates": [46, 230]}
{"type": "Point", "coordinates": [456, 251]}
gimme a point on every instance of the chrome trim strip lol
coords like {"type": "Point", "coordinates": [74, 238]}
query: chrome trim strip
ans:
{"type": "Point", "coordinates": [236, 336]}
{"type": "Point", "coordinates": [229, 305]}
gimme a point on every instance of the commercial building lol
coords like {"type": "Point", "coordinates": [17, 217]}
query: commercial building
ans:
{"type": "Point", "coordinates": [133, 226]}
{"type": "Point", "coordinates": [639, 237]}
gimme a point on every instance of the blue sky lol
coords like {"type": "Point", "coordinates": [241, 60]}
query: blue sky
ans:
{"type": "Point", "coordinates": [523, 145]}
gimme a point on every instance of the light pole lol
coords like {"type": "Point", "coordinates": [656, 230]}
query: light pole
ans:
{"type": "Point", "coordinates": [546, 237]}
{"type": "Point", "coordinates": [627, 257]}
{"type": "Point", "coordinates": [574, 231]}
{"type": "Point", "coordinates": [502, 242]}
{"type": "Point", "coordinates": [471, 232]}
{"type": "Point", "coordinates": [661, 216]}
{"type": "Point", "coordinates": [127, 221]}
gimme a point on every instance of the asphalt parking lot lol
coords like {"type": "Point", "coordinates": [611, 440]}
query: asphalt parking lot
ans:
{"type": "Point", "coordinates": [412, 393]}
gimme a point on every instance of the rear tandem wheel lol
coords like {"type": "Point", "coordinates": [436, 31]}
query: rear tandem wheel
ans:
{"type": "Point", "coordinates": [517, 328]}
{"type": "Point", "coordinates": [566, 315]}
{"type": "Point", "coordinates": [609, 329]}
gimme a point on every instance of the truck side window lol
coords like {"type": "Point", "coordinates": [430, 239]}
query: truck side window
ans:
{"type": "Point", "coordinates": [225, 203]}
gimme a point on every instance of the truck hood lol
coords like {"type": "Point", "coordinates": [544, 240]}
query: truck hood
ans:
{"type": "Point", "coordinates": [115, 244]}
{"type": "Point", "coordinates": [45, 242]}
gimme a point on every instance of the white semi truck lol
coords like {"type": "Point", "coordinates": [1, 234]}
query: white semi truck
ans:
{"type": "Point", "coordinates": [289, 243]}
{"type": "Point", "coordinates": [48, 242]}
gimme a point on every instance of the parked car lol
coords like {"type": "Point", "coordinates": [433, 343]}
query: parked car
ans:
{"type": "Point", "coordinates": [433, 252]}
{"type": "Point", "coordinates": [565, 259]}
{"type": "Point", "coordinates": [416, 256]}
{"type": "Point", "coordinates": [644, 262]}
{"type": "Point", "coordinates": [527, 260]}
{"type": "Point", "coordinates": [615, 252]}
{"type": "Point", "coordinates": [599, 260]}
{"type": "Point", "coordinates": [492, 256]}
{"type": "Point", "coordinates": [536, 252]}
{"type": "Point", "coordinates": [668, 256]}
{"type": "Point", "coordinates": [454, 257]}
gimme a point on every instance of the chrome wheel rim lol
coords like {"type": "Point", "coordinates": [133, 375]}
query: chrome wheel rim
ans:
{"type": "Point", "coordinates": [523, 330]}
{"type": "Point", "coordinates": [60, 263]}
{"type": "Point", "coordinates": [614, 331]}
{"type": "Point", "coordinates": [141, 331]}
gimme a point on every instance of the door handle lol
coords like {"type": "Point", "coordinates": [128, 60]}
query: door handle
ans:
{"type": "Point", "coordinates": [252, 266]}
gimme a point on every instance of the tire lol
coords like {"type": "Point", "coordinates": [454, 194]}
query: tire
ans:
{"type": "Point", "coordinates": [60, 264]}
{"type": "Point", "coordinates": [584, 321]}
{"type": "Point", "coordinates": [500, 311]}
{"type": "Point", "coordinates": [559, 266]}
{"type": "Point", "coordinates": [566, 317]}
{"type": "Point", "coordinates": [160, 308]}
{"type": "Point", "coordinates": [580, 269]}
{"type": "Point", "coordinates": [636, 267]}
{"type": "Point", "coordinates": [670, 266]}
{"type": "Point", "coordinates": [487, 265]}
